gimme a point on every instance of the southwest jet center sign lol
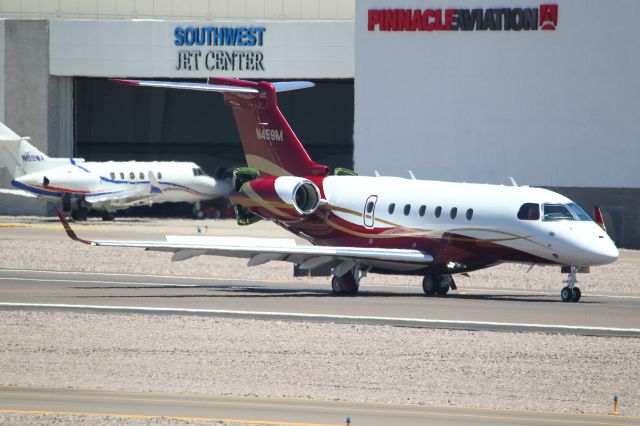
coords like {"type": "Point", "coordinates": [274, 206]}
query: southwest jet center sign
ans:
{"type": "Point", "coordinates": [544, 17]}
{"type": "Point", "coordinates": [208, 48]}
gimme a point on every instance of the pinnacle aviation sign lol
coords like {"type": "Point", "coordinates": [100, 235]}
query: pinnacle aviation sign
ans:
{"type": "Point", "coordinates": [543, 17]}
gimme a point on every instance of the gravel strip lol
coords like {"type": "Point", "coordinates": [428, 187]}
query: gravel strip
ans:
{"type": "Point", "coordinates": [66, 419]}
{"type": "Point", "coordinates": [320, 361]}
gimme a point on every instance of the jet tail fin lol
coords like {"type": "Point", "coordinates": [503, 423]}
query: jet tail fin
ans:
{"type": "Point", "coordinates": [153, 182]}
{"type": "Point", "coordinates": [18, 155]}
{"type": "Point", "coordinates": [270, 145]}
{"type": "Point", "coordinates": [599, 218]}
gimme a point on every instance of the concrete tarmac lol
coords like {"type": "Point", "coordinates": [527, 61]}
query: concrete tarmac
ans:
{"type": "Point", "coordinates": [295, 300]}
{"type": "Point", "coordinates": [250, 410]}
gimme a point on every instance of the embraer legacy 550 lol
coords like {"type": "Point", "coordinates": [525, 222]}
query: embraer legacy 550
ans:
{"type": "Point", "coordinates": [384, 225]}
{"type": "Point", "coordinates": [104, 186]}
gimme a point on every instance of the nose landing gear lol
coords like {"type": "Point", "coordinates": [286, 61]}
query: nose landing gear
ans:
{"type": "Point", "coordinates": [571, 293]}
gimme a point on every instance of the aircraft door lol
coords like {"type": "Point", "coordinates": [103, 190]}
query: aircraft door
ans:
{"type": "Point", "coordinates": [368, 214]}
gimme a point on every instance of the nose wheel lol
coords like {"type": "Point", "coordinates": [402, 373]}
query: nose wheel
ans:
{"type": "Point", "coordinates": [571, 293]}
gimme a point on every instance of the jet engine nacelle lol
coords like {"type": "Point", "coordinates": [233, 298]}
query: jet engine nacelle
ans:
{"type": "Point", "coordinates": [283, 196]}
{"type": "Point", "coordinates": [301, 193]}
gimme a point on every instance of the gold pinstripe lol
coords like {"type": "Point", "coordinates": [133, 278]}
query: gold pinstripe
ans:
{"type": "Point", "coordinates": [265, 165]}
{"type": "Point", "coordinates": [247, 189]}
{"type": "Point", "coordinates": [427, 233]}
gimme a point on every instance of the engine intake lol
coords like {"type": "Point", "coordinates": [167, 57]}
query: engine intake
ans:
{"type": "Point", "coordinates": [301, 193]}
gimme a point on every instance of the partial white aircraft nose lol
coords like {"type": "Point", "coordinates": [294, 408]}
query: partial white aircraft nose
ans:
{"type": "Point", "coordinates": [607, 252]}
{"type": "Point", "coordinates": [598, 249]}
{"type": "Point", "coordinates": [32, 179]}
{"type": "Point", "coordinates": [584, 244]}
{"type": "Point", "coordinates": [214, 187]}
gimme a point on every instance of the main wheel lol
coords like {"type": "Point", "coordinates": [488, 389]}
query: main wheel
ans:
{"type": "Point", "coordinates": [345, 285]}
{"type": "Point", "coordinates": [445, 282]}
{"type": "Point", "coordinates": [566, 294]}
{"type": "Point", "coordinates": [576, 294]}
{"type": "Point", "coordinates": [429, 285]}
{"type": "Point", "coordinates": [79, 214]}
{"type": "Point", "coordinates": [108, 216]}
{"type": "Point", "coordinates": [198, 214]}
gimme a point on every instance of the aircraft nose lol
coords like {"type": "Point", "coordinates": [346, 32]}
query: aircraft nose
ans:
{"type": "Point", "coordinates": [214, 187]}
{"type": "Point", "coordinates": [603, 252]}
{"type": "Point", "coordinates": [219, 187]}
{"type": "Point", "coordinates": [33, 180]}
{"type": "Point", "coordinates": [608, 252]}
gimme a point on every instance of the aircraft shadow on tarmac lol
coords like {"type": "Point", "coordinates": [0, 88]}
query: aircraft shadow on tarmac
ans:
{"type": "Point", "coordinates": [237, 291]}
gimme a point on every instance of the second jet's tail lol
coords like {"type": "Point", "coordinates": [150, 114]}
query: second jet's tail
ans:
{"type": "Point", "coordinates": [269, 143]}
{"type": "Point", "coordinates": [18, 155]}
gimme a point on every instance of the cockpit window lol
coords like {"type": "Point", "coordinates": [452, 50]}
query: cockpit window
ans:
{"type": "Point", "coordinates": [578, 212]}
{"type": "Point", "coordinates": [199, 172]}
{"type": "Point", "coordinates": [529, 211]}
{"type": "Point", "coordinates": [557, 212]}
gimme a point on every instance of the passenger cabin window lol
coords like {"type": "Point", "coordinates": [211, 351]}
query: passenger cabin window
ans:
{"type": "Point", "coordinates": [121, 175]}
{"type": "Point", "coordinates": [469, 214]}
{"type": "Point", "coordinates": [438, 211]}
{"type": "Point", "coordinates": [141, 175]}
{"type": "Point", "coordinates": [407, 209]}
{"type": "Point", "coordinates": [113, 175]}
{"type": "Point", "coordinates": [453, 213]}
{"type": "Point", "coordinates": [159, 175]}
{"type": "Point", "coordinates": [132, 175]}
{"type": "Point", "coordinates": [392, 207]}
{"type": "Point", "coordinates": [422, 210]}
{"type": "Point", "coordinates": [529, 211]}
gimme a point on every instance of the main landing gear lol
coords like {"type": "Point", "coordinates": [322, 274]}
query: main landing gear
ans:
{"type": "Point", "coordinates": [108, 216]}
{"type": "Point", "coordinates": [347, 284]}
{"type": "Point", "coordinates": [571, 293]}
{"type": "Point", "coordinates": [438, 284]}
{"type": "Point", "coordinates": [198, 213]}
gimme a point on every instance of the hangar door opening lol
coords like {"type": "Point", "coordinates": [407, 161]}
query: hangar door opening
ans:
{"type": "Point", "coordinates": [120, 123]}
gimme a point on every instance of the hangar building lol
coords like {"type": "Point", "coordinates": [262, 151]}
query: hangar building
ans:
{"type": "Point", "coordinates": [56, 58]}
{"type": "Point", "coordinates": [544, 92]}
{"type": "Point", "coordinates": [481, 90]}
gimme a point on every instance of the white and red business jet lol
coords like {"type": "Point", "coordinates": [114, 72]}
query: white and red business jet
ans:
{"type": "Point", "coordinates": [386, 225]}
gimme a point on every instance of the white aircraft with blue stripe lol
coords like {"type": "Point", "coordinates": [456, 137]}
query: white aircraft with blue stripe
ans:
{"type": "Point", "coordinates": [110, 186]}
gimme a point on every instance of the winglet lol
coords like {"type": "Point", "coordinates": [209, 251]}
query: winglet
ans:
{"type": "Point", "coordinates": [67, 228]}
{"type": "Point", "coordinates": [153, 182]}
{"type": "Point", "coordinates": [599, 219]}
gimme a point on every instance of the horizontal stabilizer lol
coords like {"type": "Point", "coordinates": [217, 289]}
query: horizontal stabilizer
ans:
{"type": "Point", "coordinates": [228, 87]}
{"type": "Point", "coordinates": [285, 86]}
{"type": "Point", "coordinates": [202, 87]}
{"type": "Point", "coordinates": [7, 134]}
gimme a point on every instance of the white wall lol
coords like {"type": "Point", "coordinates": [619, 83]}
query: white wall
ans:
{"type": "Point", "coordinates": [557, 108]}
{"type": "Point", "coordinates": [177, 9]}
{"type": "Point", "coordinates": [291, 49]}
{"type": "Point", "coordinates": [2, 66]}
